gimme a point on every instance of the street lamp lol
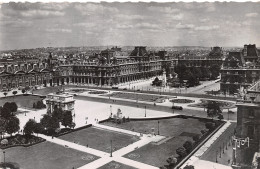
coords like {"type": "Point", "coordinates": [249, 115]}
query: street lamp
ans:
{"type": "Point", "coordinates": [111, 149]}
{"type": "Point", "coordinates": [4, 159]}
{"type": "Point", "coordinates": [145, 111]}
{"type": "Point", "coordinates": [158, 128]}
{"type": "Point", "coordinates": [216, 156]}
{"type": "Point", "coordinates": [220, 152]}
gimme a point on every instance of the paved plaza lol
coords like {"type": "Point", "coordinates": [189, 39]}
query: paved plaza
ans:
{"type": "Point", "coordinates": [91, 111]}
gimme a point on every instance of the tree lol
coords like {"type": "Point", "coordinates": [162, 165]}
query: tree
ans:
{"type": "Point", "coordinates": [171, 162]}
{"type": "Point", "coordinates": [67, 118]}
{"type": "Point", "coordinates": [58, 114]}
{"type": "Point", "coordinates": [2, 126]}
{"type": "Point", "coordinates": [53, 123]}
{"type": "Point", "coordinates": [181, 69]}
{"type": "Point", "coordinates": [220, 117]}
{"type": "Point", "coordinates": [189, 167]}
{"type": "Point", "coordinates": [214, 69]}
{"type": "Point", "coordinates": [23, 91]}
{"type": "Point", "coordinates": [38, 128]}
{"type": "Point", "coordinates": [5, 113]}
{"type": "Point", "coordinates": [210, 126]}
{"type": "Point", "coordinates": [14, 93]}
{"type": "Point", "coordinates": [196, 72]}
{"type": "Point", "coordinates": [29, 127]}
{"type": "Point", "coordinates": [188, 146]}
{"type": "Point", "coordinates": [205, 72]}
{"type": "Point", "coordinates": [5, 93]}
{"type": "Point", "coordinates": [181, 151]}
{"type": "Point", "coordinates": [196, 137]}
{"type": "Point", "coordinates": [12, 125]}
{"type": "Point", "coordinates": [13, 107]}
{"type": "Point", "coordinates": [213, 109]}
{"type": "Point", "coordinates": [45, 121]}
{"type": "Point", "coordinates": [192, 80]}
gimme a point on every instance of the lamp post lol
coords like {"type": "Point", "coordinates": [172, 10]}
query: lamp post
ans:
{"type": "Point", "coordinates": [4, 158]}
{"type": "Point", "coordinates": [220, 152]}
{"type": "Point", "coordinates": [111, 111]}
{"type": "Point", "coordinates": [158, 128]}
{"type": "Point", "coordinates": [111, 148]}
{"type": "Point", "coordinates": [216, 156]}
{"type": "Point", "coordinates": [144, 111]}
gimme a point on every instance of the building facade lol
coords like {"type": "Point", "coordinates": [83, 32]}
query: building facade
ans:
{"type": "Point", "coordinates": [247, 137]}
{"type": "Point", "coordinates": [239, 70]}
{"type": "Point", "coordinates": [24, 74]}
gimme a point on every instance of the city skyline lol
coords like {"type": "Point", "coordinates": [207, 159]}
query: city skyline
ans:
{"type": "Point", "coordinates": [32, 25]}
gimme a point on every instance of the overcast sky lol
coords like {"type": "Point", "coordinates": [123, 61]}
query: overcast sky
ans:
{"type": "Point", "coordinates": [31, 25]}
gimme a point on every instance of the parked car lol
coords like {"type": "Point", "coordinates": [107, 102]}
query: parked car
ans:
{"type": "Point", "coordinates": [114, 87]}
{"type": "Point", "coordinates": [124, 88]}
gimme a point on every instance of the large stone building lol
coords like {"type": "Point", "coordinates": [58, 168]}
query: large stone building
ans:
{"type": "Point", "coordinates": [240, 70]}
{"type": "Point", "coordinates": [247, 137]}
{"type": "Point", "coordinates": [24, 74]}
{"type": "Point", "coordinates": [111, 69]}
{"type": "Point", "coordinates": [108, 68]}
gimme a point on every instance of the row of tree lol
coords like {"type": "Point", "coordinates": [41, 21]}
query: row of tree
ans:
{"type": "Point", "coordinates": [9, 123]}
{"type": "Point", "coordinates": [194, 74]}
{"type": "Point", "coordinates": [187, 147]}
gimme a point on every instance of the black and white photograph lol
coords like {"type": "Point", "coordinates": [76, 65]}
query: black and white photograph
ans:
{"type": "Point", "coordinates": [129, 85]}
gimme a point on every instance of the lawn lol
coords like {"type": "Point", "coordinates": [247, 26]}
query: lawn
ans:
{"type": "Point", "coordinates": [157, 154]}
{"type": "Point", "coordinates": [222, 104]}
{"type": "Point", "coordinates": [177, 131]}
{"type": "Point", "coordinates": [47, 155]}
{"type": "Point", "coordinates": [21, 100]}
{"type": "Point", "coordinates": [113, 165]}
{"type": "Point", "coordinates": [167, 127]}
{"type": "Point", "coordinates": [100, 139]}
{"type": "Point", "coordinates": [140, 97]}
{"type": "Point", "coordinates": [47, 90]}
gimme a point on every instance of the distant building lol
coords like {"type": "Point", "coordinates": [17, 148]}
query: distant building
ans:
{"type": "Point", "coordinates": [250, 53]}
{"type": "Point", "coordinates": [24, 74]}
{"type": "Point", "coordinates": [240, 70]}
{"type": "Point", "coordinates": [63, 101]}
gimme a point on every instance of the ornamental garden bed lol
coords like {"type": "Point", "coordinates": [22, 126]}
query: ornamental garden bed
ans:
{"type": "Point", "coordinates": [140, 97]}
{"type": "Point", "coordinates": [20, 140]}
{"type": "Point", "coordinates": [77, 90]}
{"type": "Point", "coordinates": [97, 92]}
{"type": "Point", "coordinates": [222, 104]}
{"type": "Point", "coordinates": [182, 101]}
